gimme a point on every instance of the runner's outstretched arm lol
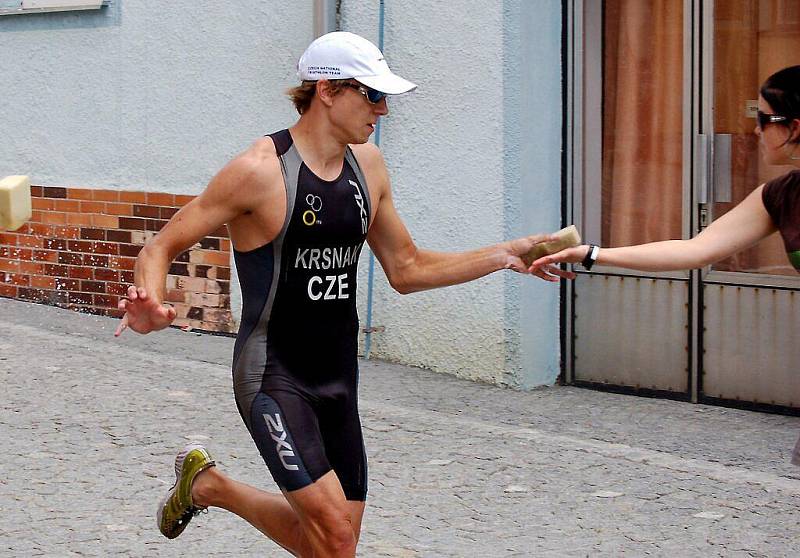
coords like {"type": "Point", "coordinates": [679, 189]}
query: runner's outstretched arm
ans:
{"type": "Point", "coordinates": [411, 269]}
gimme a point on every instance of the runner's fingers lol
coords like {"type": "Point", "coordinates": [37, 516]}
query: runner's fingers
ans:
{"type": "Point", "coordinates": [547, 277]}
{"type": "Point", "coordinates": [551, 276]}
{"type": "Point", "coordinates": [519, 266]}
{"type": "Point", "coordinates": [538, 273]}
{"type": "Point", "coordinates": [550, 273]}
{"type": "Point", "coordinates": [555, 270]}
{"type": "Point", "coordinates": [167, 311]}
{"type": "Point", "coordinates": [123, 325]}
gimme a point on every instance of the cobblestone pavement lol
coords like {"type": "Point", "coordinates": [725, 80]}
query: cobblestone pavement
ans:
{"type": "Point", "coordinates": [89, 427]}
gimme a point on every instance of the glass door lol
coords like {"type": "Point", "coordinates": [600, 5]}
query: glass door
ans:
{"type": "Point", "coordinates": [632, 160]}
{"type": "Point", "coordinates": [662, 100]}
{"type": "Point", "coordinates": [751, 313]}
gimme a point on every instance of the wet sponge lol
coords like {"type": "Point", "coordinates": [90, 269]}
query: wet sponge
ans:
{"type": "Point", "coordinates": [565, 238]}
{"type": "Point", "coordinates": [15, 202]}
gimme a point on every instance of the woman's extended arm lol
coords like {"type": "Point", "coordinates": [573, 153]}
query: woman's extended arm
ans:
{"type": "Point", "coordinates": [738, 229]}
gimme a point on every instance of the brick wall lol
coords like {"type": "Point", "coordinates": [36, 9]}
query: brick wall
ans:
{"type": "Point", "coordinates": [79, 248]}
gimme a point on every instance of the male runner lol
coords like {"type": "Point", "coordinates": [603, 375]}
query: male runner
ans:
{"type": "Point", "coordinates": [299, 205]}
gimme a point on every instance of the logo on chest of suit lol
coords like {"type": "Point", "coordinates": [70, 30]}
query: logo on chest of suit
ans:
{"type": "Point", "coordinates": [310, 215]}
{"type": "Point", "coordinates": [360, 202]}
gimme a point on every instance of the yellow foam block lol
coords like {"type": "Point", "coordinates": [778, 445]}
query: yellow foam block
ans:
{"type": "Point", "coordinates": [15, 202]}
{"type": "Point", "coordinates": [567, 238]}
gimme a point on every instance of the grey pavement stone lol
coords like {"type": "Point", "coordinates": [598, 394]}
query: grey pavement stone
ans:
{"type": "Point", "coordinates": [90, 426]}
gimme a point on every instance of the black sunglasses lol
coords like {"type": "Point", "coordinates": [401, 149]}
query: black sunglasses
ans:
{"type": "Point", "coordinates": [372, 95]}
{"type": "Point", "coordinates": [763, 119]}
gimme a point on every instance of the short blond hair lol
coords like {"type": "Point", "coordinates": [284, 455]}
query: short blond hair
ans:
{"type": "Point", "coordinates": [301, 95]}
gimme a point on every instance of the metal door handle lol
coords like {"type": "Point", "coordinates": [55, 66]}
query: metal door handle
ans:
{"type": "Point", "coordinates": [703, 176]}
{"type": "Point", "coordinates": [721, 176]}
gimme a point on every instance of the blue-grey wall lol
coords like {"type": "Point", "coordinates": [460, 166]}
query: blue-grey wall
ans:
{"type": "Point", "coordinates": [538, 149]}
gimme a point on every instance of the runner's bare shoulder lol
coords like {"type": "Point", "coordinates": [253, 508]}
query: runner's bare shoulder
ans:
{"type": "Point", "coordinates": [367, 154]}
{"type": "Point", "coordinates": [254, 176]}
{"type": "Point", "coordinates": [256, 188]}
{"type": "Point", "coordinates": [261, 164]}
{"type": "Point", "coordinates": [370, 159]}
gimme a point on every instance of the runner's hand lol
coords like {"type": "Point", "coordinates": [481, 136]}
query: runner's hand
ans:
{"type": "Point", "coordinates": [521, 246]}
{"type": "Point", "coordinates": [143, 314]}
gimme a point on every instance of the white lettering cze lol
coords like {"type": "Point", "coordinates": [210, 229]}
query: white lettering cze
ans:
{"type": "Point", "coordinates": [336, 287]}
{"type": "Point", "coordinates": [282, 446]}
{"type": "Point", "coordinates": [342, 287]}
{"type": "Point", "coordinates": [331, 282]}
{"type": "Point", "coordinates": [311, 282]}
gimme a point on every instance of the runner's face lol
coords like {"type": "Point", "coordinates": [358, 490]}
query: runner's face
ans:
{"type": "Point", "coordinates": [356, 116]}
{"type": "Point", "coordinates": [773, 138]}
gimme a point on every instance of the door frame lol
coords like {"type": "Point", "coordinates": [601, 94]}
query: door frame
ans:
{"type": "Point", "coordinates": [583, 36]}
{"type": "Point", "coordinates": [582, 69]}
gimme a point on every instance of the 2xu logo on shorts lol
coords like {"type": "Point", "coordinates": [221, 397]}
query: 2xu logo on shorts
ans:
{"type": "Point", "coordinates": [278, 435]}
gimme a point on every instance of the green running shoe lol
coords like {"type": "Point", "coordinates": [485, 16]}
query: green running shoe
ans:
{"type": "Point", "coordinates": [177, 509]}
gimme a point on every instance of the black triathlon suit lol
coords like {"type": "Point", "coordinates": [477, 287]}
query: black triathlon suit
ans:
{"type": "Point", "coordinates": [295, 369]}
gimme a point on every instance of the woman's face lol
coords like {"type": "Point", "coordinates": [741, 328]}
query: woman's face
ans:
{"type": "Point", "coordinates": [775, 148]}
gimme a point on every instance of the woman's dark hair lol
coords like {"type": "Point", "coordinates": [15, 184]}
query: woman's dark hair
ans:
{"type": "Point", "coordinates": [782, 91]}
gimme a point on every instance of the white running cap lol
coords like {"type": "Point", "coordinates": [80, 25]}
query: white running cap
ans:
{"type": "Point", "coordinates": [343, 55]}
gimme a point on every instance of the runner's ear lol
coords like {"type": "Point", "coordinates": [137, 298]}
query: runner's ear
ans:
{"type": "Point", "coordinates": [325, 91]}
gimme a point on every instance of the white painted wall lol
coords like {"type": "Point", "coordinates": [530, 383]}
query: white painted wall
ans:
{"type": "Point", "coordinates": [474, 156]}
{"type": "Point", "coordinates": [158, 96]}
{"type": "Point", "coordinates": [145, 95]}
{"type": "Point", "coordinates": [444, 145]}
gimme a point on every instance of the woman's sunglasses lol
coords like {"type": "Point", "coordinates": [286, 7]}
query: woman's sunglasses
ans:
{"type": "Point", "coordinates": [763, 119]}
{"type": "Point", "coordinates": [372, 95]}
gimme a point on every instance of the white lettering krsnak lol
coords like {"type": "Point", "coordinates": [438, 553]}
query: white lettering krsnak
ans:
{"type": "Point", "coordinates": [313, 259]}
{"type": "Point", "coordinates": [327, 258]}
{"type": "Point", "coordinates": [301, 258]}
{"type": "Point", "coordinates": [337, 257]}
{"type": "Point", "coordinates": [283, 447]}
